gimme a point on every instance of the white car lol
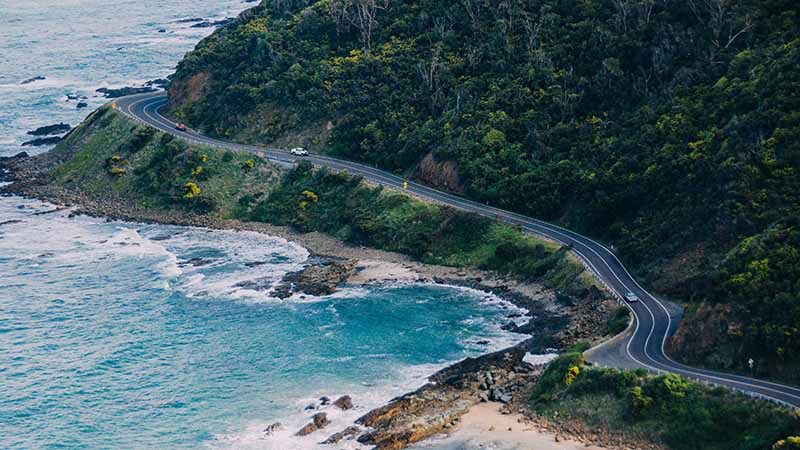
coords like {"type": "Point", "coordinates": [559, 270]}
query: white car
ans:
{"type": "Point", "coordinates": [631, 297]}
{"type": "Point", "coordinates": [299, 151]}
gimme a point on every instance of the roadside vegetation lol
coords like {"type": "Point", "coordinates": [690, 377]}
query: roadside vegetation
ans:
{"type": "Point", "coordinates": [667, 129]}
{"type": "Point", "coordinates": [112, 158]}
{"type": "Point", "coordinates": [350, 209]}
{"type": "Point", "coordinates": [666, 409]}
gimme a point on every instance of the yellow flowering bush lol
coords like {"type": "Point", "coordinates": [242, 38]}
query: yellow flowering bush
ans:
{"type": "Point", "coordinates": [572, 374]}
{"type": "Point", "coordinates": [192, 190]}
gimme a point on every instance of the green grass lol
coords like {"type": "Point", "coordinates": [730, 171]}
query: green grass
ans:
{"type": "Point", "coordinates": [155, 167]}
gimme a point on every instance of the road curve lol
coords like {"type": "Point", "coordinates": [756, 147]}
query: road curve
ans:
{"type": "Point", "coordinates": [653, 323]}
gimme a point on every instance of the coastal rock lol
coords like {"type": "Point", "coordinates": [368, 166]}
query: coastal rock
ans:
{"type": "Point", "coordinates": [52, 140]}
{"type": "Point", "coordinates": [81, 105]}
{"type": "Point", "coordinates": [348, 433]}
{"type": "Point", "coordinates": [213, 23]}
{"type": "Point", "coordinates": [196, 262]}
{"type": "Point", "coordinates": [32, 79]}
{"type": "Point", "coordinates": [318, 279]}
{"type": "Point", "coordinates": [189, 20]}
{"type": "Point", "coordinates": [158, 82]}
{"type": "Point", "coordinates": [125, 91]}
{"type": "Point", "coordinates": [439, 404]}
{"type": "Point", "coordinates": [318, 422]}
{"type": "Point", "coordinates": [324, 401]}
{"type": "Point", "coordinates": [277, 426]}
{"type": "Point", "coordinates": [58, 128]}
{"type": "Point", "coordinates": [344, 402]}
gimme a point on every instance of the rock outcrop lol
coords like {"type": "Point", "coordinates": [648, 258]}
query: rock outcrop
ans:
{"type": "Point", "coordinates": [344, 403]}
{"type": "Point", "coordinates": [319, 278]}
{"type": "Point", "coordinates": [58, 128]}
{"type": "Point", "coordinates": [33, 79]}
{"type": "Point", "coordinates": [318, 422]}
{"type": "Point", "coordinates": [52, 140]}
{"type": "Point", "coordinates": [440, 174]}
{"type": "Point", "coordinates": [122, 92]}
{"type": "Point", "coordinates": [440, 404]}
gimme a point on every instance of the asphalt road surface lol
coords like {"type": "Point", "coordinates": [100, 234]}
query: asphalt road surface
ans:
{"type": "Point", "coordinates": [653, 321]}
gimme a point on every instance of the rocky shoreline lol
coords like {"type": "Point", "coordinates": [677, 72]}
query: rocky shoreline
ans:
{"type": "Point", "coordinates": [552, 321]}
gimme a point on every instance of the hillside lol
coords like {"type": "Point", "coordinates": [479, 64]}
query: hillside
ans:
{"type": "Point", "coordinates": [667, 129]}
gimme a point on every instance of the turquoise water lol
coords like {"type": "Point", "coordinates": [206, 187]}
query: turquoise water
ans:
{"type": "Point", "coordinates": [82, 45]}
{"type": "Point", "coordinates": [110, 339]}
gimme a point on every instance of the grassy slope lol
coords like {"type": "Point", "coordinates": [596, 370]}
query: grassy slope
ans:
{"type": "Point", "coordinates": [115, 157]}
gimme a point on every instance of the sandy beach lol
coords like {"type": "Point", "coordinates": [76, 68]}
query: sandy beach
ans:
{"type": "Point", "coordinates": [485, 427]}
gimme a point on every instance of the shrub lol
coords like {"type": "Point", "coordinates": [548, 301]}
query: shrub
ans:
{"type": "Point", "coordinates": [790, 443]}
{"type": "Point", "coordinates": [192, 190]}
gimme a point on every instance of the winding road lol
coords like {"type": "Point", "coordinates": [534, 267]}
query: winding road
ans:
{"type": "Point", "coordinates": [644, 347]}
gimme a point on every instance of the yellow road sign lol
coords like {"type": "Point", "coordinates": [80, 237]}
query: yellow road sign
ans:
{"type": "Point", "coordinates": [405, 184]}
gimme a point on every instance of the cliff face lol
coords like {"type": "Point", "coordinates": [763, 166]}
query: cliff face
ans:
{"type": "Point", "coordinates": [184, 92]}
{"type": "Point", "coordinates": [440, 174]}
{"type": "Point", "coordinates": [667, 130]}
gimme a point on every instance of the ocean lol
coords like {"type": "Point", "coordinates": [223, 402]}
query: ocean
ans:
{"type": "Point", "coordinates": [79, 46]}
{"type": "Point", "coordinates": [127, 335]}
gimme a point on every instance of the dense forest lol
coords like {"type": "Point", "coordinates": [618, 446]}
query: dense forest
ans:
{"type": "Point", "coordinates": [667, 128]}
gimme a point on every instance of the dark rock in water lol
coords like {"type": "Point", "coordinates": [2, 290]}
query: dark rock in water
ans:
{"type": "Point", "coordinates": [310, 407]}
{"type": "Point", "coordinates": [75, 97]}
{"type": "Point", "coordinates": [32, 79]}
{"type": "Point", "coordinates": [196, 262]}
{"type": "Point", "coordinates": [162, 30]}
{"type": "Point", "coordinates": [255, 263]}
{"type": "Point", "coordinates": [52, 140]}
{"type": "Point", "coordinates": [325, 401]}
{"type": "Point", "coordinates": [510, 326]}
{"type": "Point", "coordinates": [318, 422]}
{"type": "Point", "coordinates": [189, 20]}
{"type": "Point", "coordinates": [58, 128]}
{"type": "Point", "coordinates": [122, 92]}
{"type": "Point", "coordinates": [259, 284]}
{"type": "Point", "coordinates": [158, 82]}
{"type": "Point", "coordinates": [344, 403]}
{"type": "Point", "coordinates": [213, 23]}
{"type": "Point", "coordinates": [81, 105]}
{"type": "Point", "coordinates": [277, 426]}
{"type": "Point", "coordinates": [318, 279]}
{"type": "Point", "coordinates": [9, 222]}
{"type": "Point", "coordinates": [348, 433]}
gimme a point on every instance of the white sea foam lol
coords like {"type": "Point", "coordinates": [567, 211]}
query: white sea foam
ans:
{"type": "Point", "coordinates": [365, 398]}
